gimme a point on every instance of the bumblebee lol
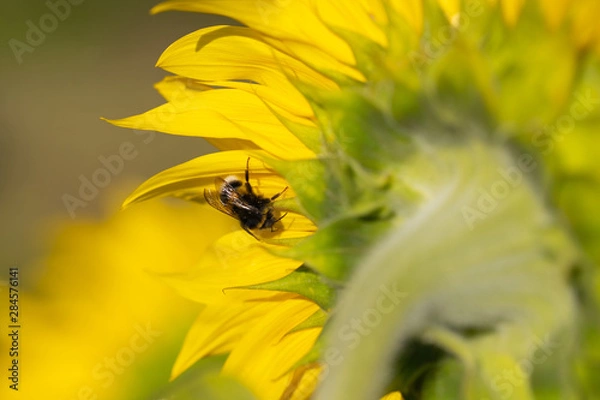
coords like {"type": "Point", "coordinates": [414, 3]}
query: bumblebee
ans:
{"type": "Point", "coordinates": [239, 200]}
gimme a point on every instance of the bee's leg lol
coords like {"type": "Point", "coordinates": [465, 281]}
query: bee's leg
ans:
{"type": "Point", "coordinates": [248, 185]}
{"type": "Point", "coordinates": [276, 221]}
{"type": "Point", "coordinates": [250, 232]}
{"type": "Point", "coordinates": [279, 194]}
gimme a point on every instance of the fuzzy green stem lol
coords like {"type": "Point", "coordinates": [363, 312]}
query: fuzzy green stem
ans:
{"type": "Point", "coordinates": [502, 270]}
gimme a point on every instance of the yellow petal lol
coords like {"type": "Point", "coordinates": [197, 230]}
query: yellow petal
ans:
{"type": "Point", "coordinates": [411, 11]}
{"type": "Point", "coordinates": [353, 18]}
{"type": "Point", "coordinates": [554, 11]}
{"type": "Point", "coordinates": [188, 180]}
{"type": "Point", "coordinates": [222, 114]}
{"type": "Point", "coordinates": [375, 10]}
{"type": "Point", "coordinates": [304, 383]}
{"type": "Point", "coordinates": [285, 106]}
{"type": "Point", "coordinates": [232, 144]}
{"type": "Point", "coordinates": [219, 327]}
{"type": "Point", "coordinates": [237, 53]}
{"type": "Point", "coordinates": [511, 9]}
{"type": "Point", "coordinates": [231, 47]}
{"type": "Point", "coordinates": [235, 260]}
{"type": "Point", "coordinates": [172, 87]}
{"type": "Point", "coordinates": [392, 396]}
{"type": "Point", "coordinates": [272, 350]}
{"type": "Point", "coordinates": [170, 90]}
{"type": "Point", "coordinates": [450, 7]}
{"type": "Point", "coordinates": [295, 23]}
{"type": "Point", "coordinates": [586, 29]}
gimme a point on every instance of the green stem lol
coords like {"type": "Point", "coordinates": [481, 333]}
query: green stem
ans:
{"type": "Point", "coordinates": [443, 268]}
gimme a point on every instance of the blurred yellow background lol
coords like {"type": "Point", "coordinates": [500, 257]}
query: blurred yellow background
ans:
{"type": "Point", "coordinates": [85, 299]}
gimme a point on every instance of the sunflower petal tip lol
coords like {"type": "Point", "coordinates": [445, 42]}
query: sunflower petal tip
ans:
{"type": "Point", "coordinates": [160, 61]}
{"type": "Point", "coordinates": [129, 201]}
{"type": "Point", "coordinates": [115, 122]}
{"type": "Point", "coordinates": [157, 9]}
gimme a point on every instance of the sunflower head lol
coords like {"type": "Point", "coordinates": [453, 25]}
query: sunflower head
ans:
{"type": "Point", "coordinates": [407, 177]}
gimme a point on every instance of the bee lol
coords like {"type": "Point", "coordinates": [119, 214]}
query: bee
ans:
{"type": "Point", "coordinates": [239, 200]}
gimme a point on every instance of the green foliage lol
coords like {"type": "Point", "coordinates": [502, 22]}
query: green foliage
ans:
{"type": "Point", "coordinates": [305, 283]}
{"type": "Point", "coordinates": [484, 290]}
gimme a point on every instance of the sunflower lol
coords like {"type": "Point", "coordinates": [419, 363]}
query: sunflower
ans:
{"type": "Point", "coordinates": [437, 237]}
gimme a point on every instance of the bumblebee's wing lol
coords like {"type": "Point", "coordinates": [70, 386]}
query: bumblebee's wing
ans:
{"type": "Point", "coordinates": [225, 188]}
{"type": "Point", "coordinates": [233, 196]}
{"type": "Point", "coordinates": [214, 199]}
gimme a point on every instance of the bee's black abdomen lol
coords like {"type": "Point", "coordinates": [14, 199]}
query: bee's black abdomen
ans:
{"type": "Point", "coordinates": [252, 222]}
{"type": "Point", "coordinates": [250, 219]}
{"type": "Point", "coordinates": [239, 200]}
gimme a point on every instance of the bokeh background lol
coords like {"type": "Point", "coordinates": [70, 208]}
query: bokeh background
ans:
{"type": "Point", "coordinates": [85, 297]}
{"type": "Point", "coordinates": [98, 62]}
